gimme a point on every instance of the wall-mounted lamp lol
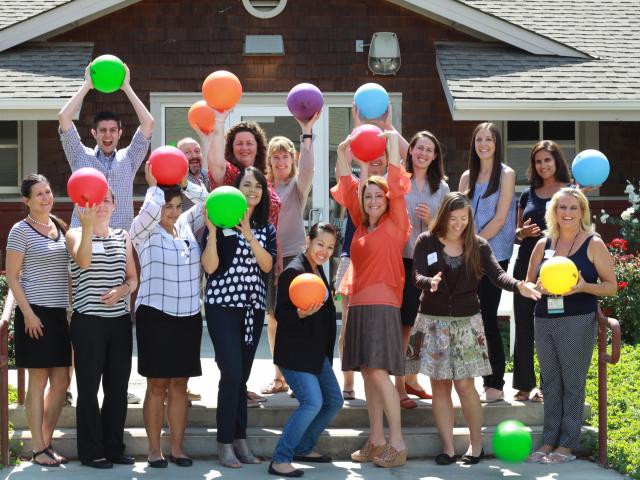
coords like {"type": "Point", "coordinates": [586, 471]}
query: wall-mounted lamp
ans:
{"type": "Point", "coordinates": [384, 53]}
{"type": "Point", "coordinates": [264, 45]}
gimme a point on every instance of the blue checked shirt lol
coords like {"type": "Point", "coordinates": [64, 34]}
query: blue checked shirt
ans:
{"type": "Point", "coordinates": [119, 169]}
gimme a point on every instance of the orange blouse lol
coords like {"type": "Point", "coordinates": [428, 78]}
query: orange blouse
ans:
{"type": "Point", "coordinates": [376, 257]}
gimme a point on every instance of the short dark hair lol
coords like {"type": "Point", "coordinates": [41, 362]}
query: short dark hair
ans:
{"type": "Point", "coordinates": [261, 144]}
{"type": "Point", "coordinates": [170, 192]}
{"type": "Point", "coordinates": [260, 216]}
{"type": "Point", "coordinates": [322, 227]}
{"type": "Point", "coordinates": [106, 115]}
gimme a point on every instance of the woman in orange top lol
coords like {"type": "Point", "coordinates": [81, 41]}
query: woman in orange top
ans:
{"type": "Point", "coordinates": [373, 337]}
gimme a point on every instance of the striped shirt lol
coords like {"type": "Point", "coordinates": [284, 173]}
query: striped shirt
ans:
{"type": "Point", "coordinates": [43, 277]}
{"type": "Point", "coordinates": [170, 269]}
{"type": "Point", "coordinates": [119, 168]}
{"type": "Point", "coordinates": [107, 270]}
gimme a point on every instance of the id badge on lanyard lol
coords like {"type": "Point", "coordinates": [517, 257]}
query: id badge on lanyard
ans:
{"type": "Point", "coordinates": [555, 305]}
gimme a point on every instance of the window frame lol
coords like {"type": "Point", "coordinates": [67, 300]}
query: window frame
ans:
{"type": "Point", "coordinates": [19, 147]}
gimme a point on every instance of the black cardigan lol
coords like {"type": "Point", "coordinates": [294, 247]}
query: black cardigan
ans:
{"type": "Point", "coordinates": [302, 343]}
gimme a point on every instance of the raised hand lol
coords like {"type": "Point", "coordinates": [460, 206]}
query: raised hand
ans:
{"type": "Point", "coordinates": [148, 175]}
{"type": "Point", "coordinates": [435, 281]}
{"type": "Point", "coordinates": [530, 229]}
{"type": "Point", "coordinates": [86, 215]}
{"type": "Point", "coordinates": [307, 125]}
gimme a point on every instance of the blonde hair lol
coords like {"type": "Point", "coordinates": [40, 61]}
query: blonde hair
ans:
{"type": "Point", "coordinates": [382, 184]}
{"type": "Point", "coordinates": [281, 144]}
{"type": "Point", "coordinates": [551, 216]}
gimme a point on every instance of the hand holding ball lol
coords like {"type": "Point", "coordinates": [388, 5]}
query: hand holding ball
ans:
{"type": "Point", "coordinates": [87, 186]}
{"type": "Point", "coordinates": [307, 289]}
{"type": "Point", "coordinates": [512, 441]}
{"type": "Point", "coordinates": [558, 275]}
{"type": "Point", "coordinates": [222, 90]}
{"type": "Point", "coordinates": [304, 101]}
{"type": "Point", "coordinates": [590, 168]}
{"type": "Point", "coordinates": [372, 100]}
{"type": "Point", "coordinates": [367, 145]}
{"type": "Point", "coordinates": [226, 206]}
{"type": "Point", "coordinates": [107, 73]}
{"type": "Point", "coordinates": [169, 165]}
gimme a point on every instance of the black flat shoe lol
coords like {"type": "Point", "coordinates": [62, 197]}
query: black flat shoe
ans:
{"type": "Point", "coordinates": [122, 460]}
{"type": "Point", "coordinates": [181, 461]}
{"type": "Point", "coordinates": [102, 463]}
{"type": "Point", "coordinates": [292, 474]}
{"type": "Point", "coordinates": [444, 459]}
{"type": "Point", "coordinates": [471, 460]}
{"type": "Point", "coordinates": [159, 463]}
{"type": "Point", "coordinates": [308, 459]}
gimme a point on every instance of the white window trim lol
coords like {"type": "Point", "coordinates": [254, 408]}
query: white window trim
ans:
{"type": "Point", "coordinates": [277, 10]}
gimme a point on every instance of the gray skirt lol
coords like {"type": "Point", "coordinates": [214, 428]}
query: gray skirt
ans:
{"type": "Point", "coordinates": [373, 339]}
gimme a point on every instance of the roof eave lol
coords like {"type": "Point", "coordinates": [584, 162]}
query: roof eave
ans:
{"type": "Point", "coordinates": [32, 108]}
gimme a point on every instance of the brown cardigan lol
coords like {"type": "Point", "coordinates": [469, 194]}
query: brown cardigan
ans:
{"type": "Point", "coordinates": [461, 298]}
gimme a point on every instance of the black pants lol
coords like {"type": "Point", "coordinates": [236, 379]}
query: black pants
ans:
{"type": "Point", "coordinates": [102, 350]}
{"type": "Point", "coordinates": [234, 358]}
{"type": "Point", "coordinates": [489, 301]}
{"type": "Point", "coordinates": [524, 375]}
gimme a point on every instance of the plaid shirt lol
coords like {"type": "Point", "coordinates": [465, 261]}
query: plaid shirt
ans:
{"type": "Point", "coordinates": [202, 180]}
{"type": "Point", "coordinates": [119, 169]}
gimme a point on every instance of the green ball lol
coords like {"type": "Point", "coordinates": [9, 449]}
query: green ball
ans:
{"type": "Point", "coordinates": [226, 206]}
{"type": "Point", "coordinates": [107, 73]}
{"type": "Point", "coordinates": [512, 441]}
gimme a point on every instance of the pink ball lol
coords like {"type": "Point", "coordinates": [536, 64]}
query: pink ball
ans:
{"type": "Point", "coordinates": [304, 101]}
{"type": "Point", "coordinates": [367, 145]}
{"type": "Point", "coordinates": [169, 165]}
{"type": "Point", "coordinates": [87, 185]}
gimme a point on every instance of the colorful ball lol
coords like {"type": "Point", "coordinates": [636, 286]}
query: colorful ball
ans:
{"type": "Point", "coordinates": [87, 186]}
{"type": "Point", "coordinates": [107, 73]}
{"type": "Point", "coordinates": [590, 168]}
{"type": "Point", "coordinates": [558, 275]}
{"type": "Point", "coordinates": [372, 100]}
{"type": "Point", "coordinates": [304, 101]}
{"type": "Point", "coordinates": [226, 206]}
{"type": "Point", "coordinates": [367, 145]}
{"type": "Point", "coordinates": [202, 116]}
{"type": "Point", "coordinates": [512, 441]}
{"type": "Point", "coordinates": [307, 289]}
{"type": "Point", "coordinates": [222, 90]}
{"type": "Point", "coordinates": [168, 165]}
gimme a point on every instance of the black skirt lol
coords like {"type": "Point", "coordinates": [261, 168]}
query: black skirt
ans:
{"type": "Point", "coordinates": [168, 346]}
{"type": "Point", "coordinates": [410, 296]}
{"type": "Point", "coordinates": [52, 349]}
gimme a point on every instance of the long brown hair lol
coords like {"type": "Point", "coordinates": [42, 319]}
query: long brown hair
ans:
{"type": "Point", "coordinates": [382, 184]}
{"type": "Point", "coordinates": [470, 245]}
{"type": "Point", "coordinates": [562, 169]}
{"type": "Point", "coordinates": [261, 144]}
{"type": "Point", "coordinates": [435, 171]}
{"type": "Point", "coordinates": [25, 190]}
{"type": "Point", "coordinates": [474, 160]}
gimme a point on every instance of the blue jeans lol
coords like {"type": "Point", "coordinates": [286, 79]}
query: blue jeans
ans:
{"type": "Point", "coordinates": [320, 400]}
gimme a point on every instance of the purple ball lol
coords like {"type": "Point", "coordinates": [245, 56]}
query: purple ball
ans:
{"type": "Point", "coordinates": [304, 101]}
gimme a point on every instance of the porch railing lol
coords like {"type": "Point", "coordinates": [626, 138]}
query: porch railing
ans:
{"type": "Point", "coordinates": [4, 377]}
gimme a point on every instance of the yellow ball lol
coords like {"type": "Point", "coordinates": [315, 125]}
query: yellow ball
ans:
{"type": "Point", "coordinates": [558, 275]}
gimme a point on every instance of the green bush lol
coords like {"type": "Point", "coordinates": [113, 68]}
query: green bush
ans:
{"type": "Point", "coordinates": [4, 289]}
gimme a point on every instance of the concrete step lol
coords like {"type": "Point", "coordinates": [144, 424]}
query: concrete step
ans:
{"type": "Point", "coordinates": [353, 415]}
{"type": "Point", "coordinates": [339, 443]}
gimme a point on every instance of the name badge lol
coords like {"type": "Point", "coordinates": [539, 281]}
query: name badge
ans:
{"type": "Point", "coordinates": [432, 258]}
{"type": "Point", "coordinates": [97, 247]}
{"type": "Point", "coordinates": [555, 305]}
{"type": "Point", "coordinates": [546, 205]}
{"type": "Point", "coordinates": [549, 253]}
{"type": "Point", "coordinates": [228, 232]}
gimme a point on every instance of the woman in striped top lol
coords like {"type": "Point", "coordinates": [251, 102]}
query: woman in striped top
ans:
{"type": "Point", "coordinates": [36, 250]}
{"type": "Point", "coordinates": [103, 275]}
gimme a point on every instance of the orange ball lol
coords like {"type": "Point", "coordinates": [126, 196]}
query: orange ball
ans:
{"type": "Point", "coordinates": [222, 90]}
{"type": "Point", "coordinates": [202, 116]}
{"type": "Point", "coordinates": [306, 290]}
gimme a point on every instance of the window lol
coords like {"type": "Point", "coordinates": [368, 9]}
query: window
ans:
{"type": "Point", "coordinates": [521, 136]}
{"type": "Point", "coordinates": [10, 155]}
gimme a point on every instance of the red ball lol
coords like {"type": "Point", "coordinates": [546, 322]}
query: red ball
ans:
{"type": "Point", "coordinates": [168, 165]}
{"type": "Point", "coordinates": [202, 115]}
{"type": "Point", "coordinates": [87, 186]}
{"type": "Point", "coordinates": [222, 90]}
{"type": "Point", "coordinates": [307, 289]}
{"type": "Point", "coordinates": [367, 145]}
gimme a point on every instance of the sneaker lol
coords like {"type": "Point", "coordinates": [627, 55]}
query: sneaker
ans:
{"type": "Point", "coordinates": [132, 399]}
{"type": "Point", "coordinates": [68, 399]}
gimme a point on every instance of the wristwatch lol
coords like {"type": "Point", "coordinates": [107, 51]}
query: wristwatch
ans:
{"type": "Point", "coordinates": [306, 135]}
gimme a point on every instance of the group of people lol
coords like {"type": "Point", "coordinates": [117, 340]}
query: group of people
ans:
{"type": "Point", "coordinates": [421, 274]}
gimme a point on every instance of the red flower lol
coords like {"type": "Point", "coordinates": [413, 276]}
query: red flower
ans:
{"type": "Point", "coordinates": [622, 285]}
{"type": "Point", "coordinates": [619, 244]}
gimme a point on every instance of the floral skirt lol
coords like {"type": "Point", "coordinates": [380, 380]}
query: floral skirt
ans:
{"type": "Point", "coordinates": [448, 348]}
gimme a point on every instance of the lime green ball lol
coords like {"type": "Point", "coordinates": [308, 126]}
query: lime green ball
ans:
{"type": "Point", "coordinates": [226, 206]}
{"type": "Point", "coordinates": [107, 73]}
{"type": "Point", "coordinates": [512, 441]}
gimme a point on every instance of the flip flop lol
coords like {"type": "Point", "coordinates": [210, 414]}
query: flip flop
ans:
{"type": "Point", "coordinates": [521, 396]}
{"type": "Point", "coordinates": [348, 394]}
{"type": "Point", "coordinates": [555, 458]}
{"type": "Point", "coordinates": [536, 457]}
{"type": "Point", "coordinates": [537, 397]}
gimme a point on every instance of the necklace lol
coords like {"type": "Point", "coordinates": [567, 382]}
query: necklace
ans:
{"type": "Point", "coordinates": [48, 225]}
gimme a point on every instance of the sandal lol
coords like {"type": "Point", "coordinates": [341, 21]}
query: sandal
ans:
{"type": "Point", "coordinates": [62, 459]}
{"type": "Point", "coordinates": [276, 386]}
{"type": "Point", "coordinates": [348, 394]}
{"type": "Point", "coordinates": [391, 458]}
{"type": "Point", "coordinates": [368, 452]}
{"type": "Point", "coordinates": [521, 396]}
{"type": "Point", "coordinates": [555, 458]}
{"type": "Point", "coordinates": [537, 397]}
{"type": "Point", "coordinates": [48, 453]}
{"type": "Point", "coordinates": [537, 457]}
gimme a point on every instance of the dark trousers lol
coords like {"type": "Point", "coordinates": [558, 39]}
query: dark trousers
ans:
{"type": "Point", "coordinates": [102, 350]}
{"type": "Point", "coordinates": [489, 301]}
{"type": "Point", "coordinates": [524, 375]}
{"type": "Point", "coordinates": [234, 358]}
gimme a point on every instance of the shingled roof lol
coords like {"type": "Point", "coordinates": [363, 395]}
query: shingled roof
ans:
{"type": "Point", "coordinates": [16, 11]}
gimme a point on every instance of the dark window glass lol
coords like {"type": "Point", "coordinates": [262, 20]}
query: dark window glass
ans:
{"type": "Point", "coordinates": [523, 131]}
{"type": "Point", "coordinates": [558, 131]}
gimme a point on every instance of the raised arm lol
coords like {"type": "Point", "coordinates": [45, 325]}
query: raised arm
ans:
{"type": "Point", "coordinates": [195, 215]}
{"type": "Point", "coordinates": [306, 162]}
{"type": "Point", "coordinates": [65, 115]}
{"type": "Point", "coordinates": [149, 216]}
{"type": "Point", "coordinates": [79, 241]}
{"type": "Point", "coordinates": [386, 124]}
{"type": "Point", "coordinates": [507, 191]}
{"type": "Point", "coordinates": [215, 155]}
{"type": "Point", "coordinates": [210, 258]}
{"type": "Point", "coordinates": [144, 116]}
{"type": "Point", "coordinates": [346, 191]}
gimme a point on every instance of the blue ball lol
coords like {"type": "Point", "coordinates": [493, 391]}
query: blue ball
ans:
{"type": "Point", "coordinates": [590, 168]}
{"type": "Point", "coordinates": [372, 100]}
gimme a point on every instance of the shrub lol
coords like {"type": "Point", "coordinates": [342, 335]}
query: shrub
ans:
{"type": "Point", "coordinates": [4, 289]}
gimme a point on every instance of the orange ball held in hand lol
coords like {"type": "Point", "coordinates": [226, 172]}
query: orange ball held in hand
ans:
{"type": "Point", "coordinates": [222, 90]}
{"type": "Point", "coordinates": [202, 116]}
{"type": "Point", "coordinates": [307, 289]}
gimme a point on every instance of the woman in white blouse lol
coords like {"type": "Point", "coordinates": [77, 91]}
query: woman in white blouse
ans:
{"type": "Point", "coordinates": [168, 320]}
